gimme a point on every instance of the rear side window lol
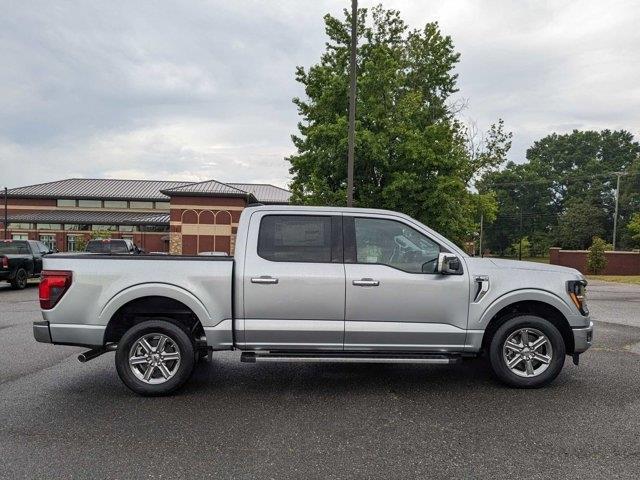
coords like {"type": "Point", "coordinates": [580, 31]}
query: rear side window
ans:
{"type": "Point", "coordinates": [295, 238]}
{"type": "Point", "coordinates": [107, 246]}
{"type": "Point", "coordinates": [14, 248]}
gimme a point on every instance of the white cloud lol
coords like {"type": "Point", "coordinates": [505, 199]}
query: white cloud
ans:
{"type": "Point", "coordinates": [198, 90]}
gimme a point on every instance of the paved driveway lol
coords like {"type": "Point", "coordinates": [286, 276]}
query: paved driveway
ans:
{"type": "Point", "coordinates": [62, 419]}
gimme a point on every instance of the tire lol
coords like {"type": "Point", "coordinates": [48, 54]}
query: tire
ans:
{"type": "Point", "coordinates": [176, 358]}
{"type": "Point", "coordinates": [19, 282]}
{"type": "Point", "coordinates": [531, 369]}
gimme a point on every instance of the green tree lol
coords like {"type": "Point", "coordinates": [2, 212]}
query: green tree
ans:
{"type": "Point", "coordinates": [634, 229]}
{"type": "Point", "coordinates": [566, 178]}
{"type": "Point", "coordinates": [579, 224]}
{"type": "Point", "coordinates": [596, 259]}
{"type": "Point", "coordinates": [411, 152]}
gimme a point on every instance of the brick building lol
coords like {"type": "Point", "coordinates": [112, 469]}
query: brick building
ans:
{"type": "Point", "coordinates": [161, 216]}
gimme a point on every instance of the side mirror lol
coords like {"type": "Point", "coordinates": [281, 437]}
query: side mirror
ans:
{"type": "Point", "coordinates": [449, 264]}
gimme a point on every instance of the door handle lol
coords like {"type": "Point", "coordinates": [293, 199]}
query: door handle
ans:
{"type": "Point", "coordinates": [264, 280]}
{"type": "Point", "coordinates": [366, 282]}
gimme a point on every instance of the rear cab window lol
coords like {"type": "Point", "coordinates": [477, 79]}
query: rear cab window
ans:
{"type": "Point", "coordinates": [300, 238]}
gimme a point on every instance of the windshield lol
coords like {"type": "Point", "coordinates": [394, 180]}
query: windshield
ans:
{"type": "Point", "coordinates": [9, 247]}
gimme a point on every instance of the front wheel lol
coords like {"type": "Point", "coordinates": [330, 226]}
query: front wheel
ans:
{"type": "Point", "coordinates": [155, 357]}
{"type": "Point", "coordinates": [527, 351]}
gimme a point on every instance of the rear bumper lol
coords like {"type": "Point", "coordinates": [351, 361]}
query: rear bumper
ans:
{"type": "Point", "coordinates": [5, 275]}
{"type": "Point", "coordinates": [69, 334]}
{"type": "Point", "coordinates": [582, 338]}
{"type": "Point", "coordinates": [41, 332]}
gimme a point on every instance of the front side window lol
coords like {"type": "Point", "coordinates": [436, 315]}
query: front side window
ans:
{"type": "Point", "coordinates": [295, 238]}
{"type": "Point", "coordinates": [395, 244]}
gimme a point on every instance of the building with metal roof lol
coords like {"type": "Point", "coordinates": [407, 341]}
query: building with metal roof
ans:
{"type": "Point", "coordinates": [169, 216]}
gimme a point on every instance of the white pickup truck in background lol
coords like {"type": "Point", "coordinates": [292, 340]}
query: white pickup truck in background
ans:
{"type": "Point", "coordinates": [317, 284]}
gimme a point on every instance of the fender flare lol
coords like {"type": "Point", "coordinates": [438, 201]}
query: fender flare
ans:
{"type": "Point", "coordinates": [523, 295]}
{"type": "Point", "coordinates": [156, 289]}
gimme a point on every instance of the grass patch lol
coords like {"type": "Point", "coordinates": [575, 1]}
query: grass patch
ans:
{"type": "Point", "coordinates": [631, 279]}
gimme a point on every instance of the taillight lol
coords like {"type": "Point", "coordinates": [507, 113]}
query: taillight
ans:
{"type": "Point", "coordinates": [5, 262]}
{"type": "Point", "coordinates": [53, 286]}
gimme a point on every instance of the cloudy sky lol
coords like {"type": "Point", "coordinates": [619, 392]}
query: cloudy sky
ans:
{"type": "Point", "coordinates": [198, 90]}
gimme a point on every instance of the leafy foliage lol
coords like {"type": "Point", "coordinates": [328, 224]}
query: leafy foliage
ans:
{"type": "Point", "coordinates": [412, 153]}
{"type": "Point", "coordinates": [596, 259]}
{"type": "Point", "coordinates": [565, 192]}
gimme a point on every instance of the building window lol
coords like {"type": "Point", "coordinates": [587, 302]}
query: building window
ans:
{"type": "Point", "coordinates": [115, 204]}
{"type": "Point", "coordinates": [137, 204]}
{"type": "Point", "coordinates": [154, 228]}
{"type": "Point", "coordinates": [20, 226]}
{"type": "Point", "coordinates": [49, 226]}
{"type": "Point", "coordinates": [20, 236]}
{"type": "Point", "coordinates": [162, 205]}
{"type": "Point", "coordinates": [128, 228]}
{"type": "Point", "coordinates": [104, 228]}
{"type": "Point", "coordinates": [77, 227]}
{"type": "Point", "coordinates": [65, 202]}
{"type": "Point", "coordinates": [90, 203]}
{"type": "Point", "coordinates": [73, 243]}
{"type": "Point", "coordinates": [49, 241]}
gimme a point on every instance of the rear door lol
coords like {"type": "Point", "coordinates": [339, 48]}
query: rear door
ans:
{"type": "Point", "coordinates": [394, 299]}
{"type": "Point", "coordinates": [294, 283]}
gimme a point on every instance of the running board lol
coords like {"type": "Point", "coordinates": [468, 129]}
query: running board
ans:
{"type": "Point", "coordinates": [340, 357]}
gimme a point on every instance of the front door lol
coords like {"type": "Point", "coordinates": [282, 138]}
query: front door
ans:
{"type": "Point", "coordinates": [394, 299]}
{"type": "Point", "coordinates": [293, 282]}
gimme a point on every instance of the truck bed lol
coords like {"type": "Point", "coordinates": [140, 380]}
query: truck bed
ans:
{"type": "Point", "coordinates": [102, 284]}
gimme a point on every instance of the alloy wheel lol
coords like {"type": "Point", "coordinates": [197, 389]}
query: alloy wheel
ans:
{"type": "Point", "coordinates": [527, 352]}
{"type": "Point", "coordinates": [154, 358]}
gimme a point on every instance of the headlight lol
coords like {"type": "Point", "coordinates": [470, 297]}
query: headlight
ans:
{"type": "Point", "coordinates": [577, 292]}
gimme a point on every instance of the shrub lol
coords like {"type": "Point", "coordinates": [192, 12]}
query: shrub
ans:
{"type": "Point", "coordinates": [596, 259]}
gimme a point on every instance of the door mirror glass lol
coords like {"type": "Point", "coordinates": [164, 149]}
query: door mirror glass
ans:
{"type": "Point", "coordinates": [449, 264]}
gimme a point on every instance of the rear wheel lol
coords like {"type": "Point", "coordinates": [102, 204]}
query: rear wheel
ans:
{"type": "Point", "coordinates": [155, 357]}
{"type": "Point", "coordinates": [19, 282]}
{"type": "Point", "coordinates": [527, 351]}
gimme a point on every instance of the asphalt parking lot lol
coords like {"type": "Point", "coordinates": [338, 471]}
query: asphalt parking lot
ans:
{"type": "Point", "coordinates": [63, 419]}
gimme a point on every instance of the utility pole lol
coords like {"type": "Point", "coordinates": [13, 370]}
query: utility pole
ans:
{"type": "Point", "coordinates": [520, 249]}
{"type": "Point", "coordinates": [615, 215]}
{"type": "Point", "coordinates": [481, 225]}
{"type": "Point", "coordinates": [352, 101]}
{"type": "Point", "coordinates": [6, 225]}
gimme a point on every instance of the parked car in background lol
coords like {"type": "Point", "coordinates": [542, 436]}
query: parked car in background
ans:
{"type": "Point", "coordinates": [317, 284]}
{"type": "Point", "coordinates": [113, 246]}
{"type": "Point", "coordinates": [21, 260]}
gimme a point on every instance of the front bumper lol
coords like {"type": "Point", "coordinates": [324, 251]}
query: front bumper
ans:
{"type": "Point", "coordinates": [41, 332]}
{"type": "Point", "coordinates": [582, 338]}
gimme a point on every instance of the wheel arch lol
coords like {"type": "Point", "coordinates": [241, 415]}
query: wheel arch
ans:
{"type": "Point", "coordinates": [533, 307]}
{"type": "Point", "coordinates": [146, 301]}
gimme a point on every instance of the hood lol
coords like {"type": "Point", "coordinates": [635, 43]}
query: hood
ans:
{"type": "Point", "coordinates": [540, 267]}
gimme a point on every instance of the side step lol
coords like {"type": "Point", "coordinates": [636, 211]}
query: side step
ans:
{"type": "Point", "coordinates": [342, 357]}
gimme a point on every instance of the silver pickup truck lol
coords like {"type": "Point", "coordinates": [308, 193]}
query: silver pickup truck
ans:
{"type": "Point", "coordinates": [317, 284]}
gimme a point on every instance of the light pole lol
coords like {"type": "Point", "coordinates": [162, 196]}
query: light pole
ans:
{"type": "Point", "coordinates": [352, 101]}
{"type": "Point", "coordinates": [615, 214]}
{"type": "Point", "coordinates": [6, 225]}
